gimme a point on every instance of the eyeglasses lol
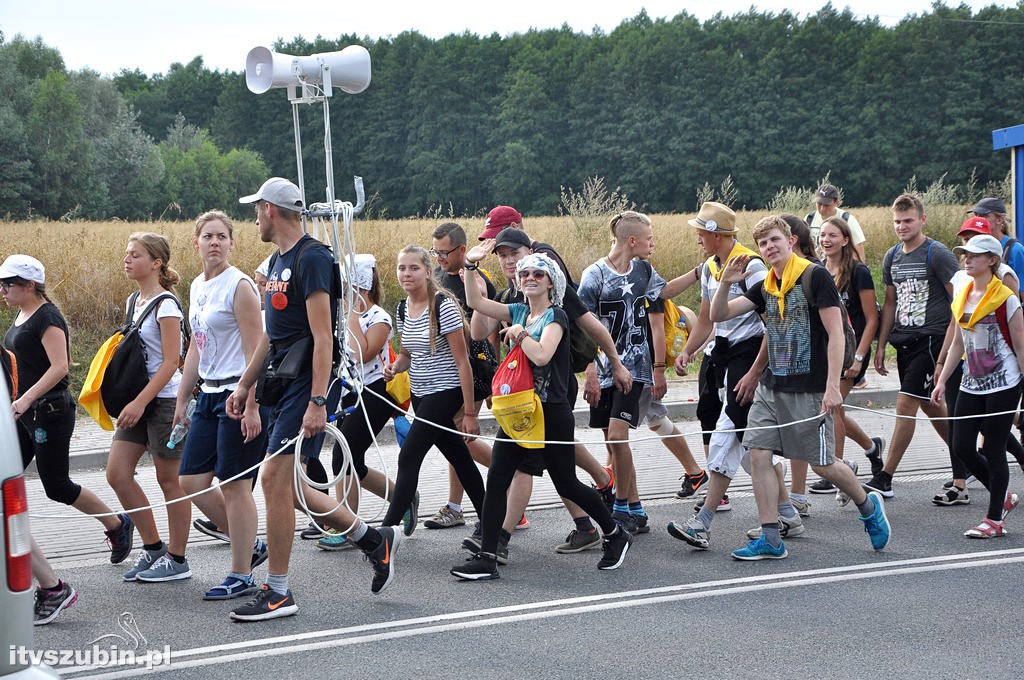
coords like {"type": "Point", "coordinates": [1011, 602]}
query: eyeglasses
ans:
{"type": "Point", "coordinates": [443, 253]}
{"type": "Point", "coordinates": [532, 274]}
{"type": "Point", "coordinates": [6, 285]}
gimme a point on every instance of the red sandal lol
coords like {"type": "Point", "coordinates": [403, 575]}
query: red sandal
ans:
{"type": "Point", "coordinates": [987, 529]}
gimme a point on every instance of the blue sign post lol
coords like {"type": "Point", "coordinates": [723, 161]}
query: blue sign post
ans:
{"type": "Point", "coordinates": [1013, 138]}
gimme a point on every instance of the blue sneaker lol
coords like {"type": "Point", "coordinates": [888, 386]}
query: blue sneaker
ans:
{"type": "Point", "coordinates": [334, 541]}
{"type": "Point", "coordinates": [121, 539]}
{"type": "Point", "coordinates": [760, 549]}
{"type": "Point", "coordinates": [231, 588]}
{"type": "Point", "coordinates": [165, 569]}
{"type": "Point", "coordinates": [411, 516]}
{"type": "Point", "coordinates": [877, 524]}
{"type": "Point", "coordinates": [259, 553]}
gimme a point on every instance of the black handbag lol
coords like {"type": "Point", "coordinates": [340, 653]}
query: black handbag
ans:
{"type": "Point", "coordinates": [483, 362]}
{"type": "Point", "coordinates": [274, 380]}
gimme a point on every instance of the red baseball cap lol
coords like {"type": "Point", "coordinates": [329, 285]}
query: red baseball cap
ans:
{"type": "Point", "coordinates": [499, 218]}
{"type": "Point", "coordinates": [975, 225]}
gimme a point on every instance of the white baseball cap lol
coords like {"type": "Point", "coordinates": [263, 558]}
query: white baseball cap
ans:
{"type": "Point", "coordinates": [280, 192]}
{"type": "Point", "coordinates": [24, 267]}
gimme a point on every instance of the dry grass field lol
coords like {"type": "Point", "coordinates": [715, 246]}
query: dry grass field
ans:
{"type": "Point", "coordinates": [86, 279]}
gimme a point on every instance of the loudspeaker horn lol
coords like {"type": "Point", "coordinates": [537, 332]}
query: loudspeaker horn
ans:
{"type": "Point", "coordinates": [348, 69]}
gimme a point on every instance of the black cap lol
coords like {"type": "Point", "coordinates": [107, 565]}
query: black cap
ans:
{"type": "Point", "coordinates": [827, 194]}
{"type": "Point", "coordinates": [988, 205]}
{"type": "Point", "coordinates": [513, 238]}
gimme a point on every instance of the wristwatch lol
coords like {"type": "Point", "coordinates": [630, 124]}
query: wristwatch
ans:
{"type": "Point", "coordinates": [858, 357]}
{"type": "Point", "coordinates": [318, 401]}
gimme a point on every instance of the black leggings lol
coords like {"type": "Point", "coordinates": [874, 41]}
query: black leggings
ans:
{"type": "Point", "coordinates": [989, 464]}
{"type": "Point", "coordinates": [440, 408]}
{"type": "Point", "coordinates": [560, 461]}
{"type": "Point", "coordinates": [45, 434]}
{"type": "Point", "coordinates": [357, 434]}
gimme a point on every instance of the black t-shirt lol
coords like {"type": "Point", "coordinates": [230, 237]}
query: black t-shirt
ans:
{"type": "Point", "coordinates": [550, 381]}
{"type": "Point", "coordinates": [457, 287]}
{"type": "Point", "coordinates": [26, 341]}
{"type": "Point", "coordinates": [794, 364]}
{"type": "Point", "coordinates": [860, 279]}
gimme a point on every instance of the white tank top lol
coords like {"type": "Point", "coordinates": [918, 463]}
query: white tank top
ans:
{"type": "Point", "coordinates": [215, 328]}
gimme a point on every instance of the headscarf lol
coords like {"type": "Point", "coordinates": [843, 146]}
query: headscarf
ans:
{"type": "Point", "coordinates": [548, 266]}
{"type": "Point", "coordinates": [362, 276]}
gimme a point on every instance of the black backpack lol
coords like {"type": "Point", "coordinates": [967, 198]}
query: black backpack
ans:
{"type": "Point", "coordinates": [126, 374]}
{"type": "Point", "coordinates": [849, 336]}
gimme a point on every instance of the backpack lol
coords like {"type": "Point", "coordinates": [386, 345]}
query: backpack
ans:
{"type": "Point", "coordinates": [9, 366]}
{"type": "Point", "coordinates": [810, 217]}
{"type": "Point", "coordinates": [887, 262]}
{"type": "Point", "coordinates": [849, 336]}
{"type": "Point", "coordinates": [1010, 242]}
{"type": "Point", "coordinates": [126, 374]}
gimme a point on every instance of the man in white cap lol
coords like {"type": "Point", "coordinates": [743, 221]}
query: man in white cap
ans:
{"type": "Point", "coordinates": [826, 204]}
{"type": "Point", "coordinates": [303, 285]}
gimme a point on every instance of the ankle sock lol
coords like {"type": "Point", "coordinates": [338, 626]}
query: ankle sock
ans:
{"type": "Point", "coordinates": [180, 559]}
{"type": "Point", "coordinates": [278, 583]}
{"type": "Point", "coordinates": [455, 506]}
{"type": "Point", "coordinates": [867, 507]}
{"type": "Point", "coordinates": [636, 508]}
{"type": "Point", "coordinates": [153, 547]}
{"type": "Point", "coordinates": [584, 524]}
{"type": "Point", "coordinates": [798, 497]}
{"type": "Point", "coordinates": [787, 510]}
{"type": "Point", "coordinates": [706, 516]}
{"type": "Point", "coordinates": [771, 534]}
{"type": "Point", "coordinates": [56, 589]}
{"type": "Point", "coordinates": [621, 505]}
{"type": "Point", "coordinates": [369, 541]}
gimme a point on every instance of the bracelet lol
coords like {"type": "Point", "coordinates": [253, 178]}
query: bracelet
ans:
{"type": "Point", "coordinates": [696, 272]}
{"type": "Point", "coordinates": [659, 364]}
{"type": "Point", "coordinates": [469, 414]}
{"type": "Point", "coordinates": [469, 266]}
{"type": "Point", "coordinates": [522, 336]}
{"type": "Point", "coordinates": [939, 363]}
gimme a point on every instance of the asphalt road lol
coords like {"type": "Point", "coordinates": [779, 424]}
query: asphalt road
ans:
{"type": "Point", "coordinates": [933, 604]}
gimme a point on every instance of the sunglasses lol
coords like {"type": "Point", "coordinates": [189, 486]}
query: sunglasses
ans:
{"type": "Point", "coordinates": [532, 274]}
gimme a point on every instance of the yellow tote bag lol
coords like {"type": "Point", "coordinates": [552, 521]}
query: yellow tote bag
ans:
{"type": "Point", "coordinates": [90, 397]}
{"type": "Point", "coordinates": [521, 416]}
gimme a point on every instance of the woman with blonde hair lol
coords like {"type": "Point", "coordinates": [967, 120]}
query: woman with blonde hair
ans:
{"type": "Point", "coordinates": [145, 423]}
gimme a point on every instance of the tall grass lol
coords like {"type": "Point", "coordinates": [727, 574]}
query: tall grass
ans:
{"type": "Point", "coordinates": [86, 278]}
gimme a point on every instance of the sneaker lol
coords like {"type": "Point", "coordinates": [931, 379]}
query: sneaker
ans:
{"type": "Point", "coordinates": [881, 484]}
{"type": "Point", "coordinates": [334, 541]}
{"type": "Point", "coordinates": [691, 531]}
{"type": "Point", "coordinates": [692, 483]}
{"type": "Point", "coordinates": [578, 541]}
{"type": "Point", "coordinates": [445, 518]}
{"type": "Point", "coordinates": [144, 561]}
{"type": "Point", "coordinates": [1010, 503]}
{"type": "Point", "coordinates": [987, 529]}
{"type": "Point", "coordinates": [640, 523]}
{"type": "Point", "coordinates": [266, 605]}
{"type": "Point", "coordinates": [480, 567]}
{"type": "Point", "coordinates": [803, 508]}
{"type": "Point", "coordinates": [411, 517]}
{"type": "Point", "coordinates": [523, 523]}
{"type": "Point", "coordinates": [788, 528]}
{"type": "Point", "coordinates": [49, 604]}
{"type": "Point", "coordinates": [383, 559]}
{"type": "Point", "coordinates": [120, 539]}
{"type": "Point", "coordinates": [626, 520]}
{"type": "Point", "coordinates": [614, 549]}
{"type": "Point", "coordinates": [312, 532]}
{"type": "Point", "coordinates": [877, 524]}
{"type": "Point", "coordinates": [166, 568]}
{"type": "Point", "coordinates": [823, 486]}
{"type": "Point", "coordinates": [474, 544]}
{"type": "Point", "coordinates": [608, 491]}
{"type": "Point", "coordinates": [951, 496]}
{"type": "Point", "coordinates": [760, 549]}
{"type": "Point", "coordinates": [205, 526]}
{"type": "Point", "coordinates": [724, 505]}
{"type": "Point", "coordinates": [231, 588]}
{"type": "Point", "coordinates": [874, 455]}
{"type": "Point", "coordinates": [260, 552]}
{"type": "Point", "coordinates": [843, 499]}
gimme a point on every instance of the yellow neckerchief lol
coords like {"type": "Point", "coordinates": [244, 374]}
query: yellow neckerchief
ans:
{"type": "Point", "coordinates": [737, 249]}
{"type": "Point", "coordinates": [995, 295]}
{"type": "Point", "coordinates": [790, 275]}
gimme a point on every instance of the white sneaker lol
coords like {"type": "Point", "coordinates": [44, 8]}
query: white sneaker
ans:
{"type": "Point", "coordinates": [793, 526]}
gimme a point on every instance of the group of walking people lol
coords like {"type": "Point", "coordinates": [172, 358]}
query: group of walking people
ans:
{"type": "Point", "coordinates": [257, 390]}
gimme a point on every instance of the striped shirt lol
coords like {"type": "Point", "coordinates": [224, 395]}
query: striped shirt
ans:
{"type": "Point", "coordinates": [430, 373]}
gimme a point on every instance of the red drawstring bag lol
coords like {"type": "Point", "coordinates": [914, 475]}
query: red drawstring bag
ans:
{"type": "Point", "coordinates": [515, 403]}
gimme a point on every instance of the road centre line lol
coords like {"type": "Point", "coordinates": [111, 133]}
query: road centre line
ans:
{"type": "Point", "coordinates": [455, 621]}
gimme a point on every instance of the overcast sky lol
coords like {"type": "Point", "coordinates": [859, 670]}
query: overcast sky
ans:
{"type": "Point", "coordinates": [110, 35]}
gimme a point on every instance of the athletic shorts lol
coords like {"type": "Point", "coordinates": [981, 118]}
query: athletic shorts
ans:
{"type": "Point", "coordinates": [215, 442]}
{"type": "Point", "coordinates": [652, 409]}
{"type": "Point", "coordinates": [286, 417]}
{"type": "Point", "coordinates": [915, 361]}
{"type": "Point", "coordinates": [812, 441]}
{"type": "Point", "coordinates": [615, 404]}
{"type": "Point", "coordinates": [153, 430]}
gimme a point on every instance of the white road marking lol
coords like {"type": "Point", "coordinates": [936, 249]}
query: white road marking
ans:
{"type": "Point", "coordinates": [480, 618]}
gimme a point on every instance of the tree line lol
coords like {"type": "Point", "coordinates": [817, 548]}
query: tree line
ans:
{"type": "Point", "coordinates": [455, 125]}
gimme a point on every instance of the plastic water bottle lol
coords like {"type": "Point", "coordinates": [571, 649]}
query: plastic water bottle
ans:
{"type": "Point", "coordinates": [677, 344]}
{"type": "Point", "coordinates": [178, 433]}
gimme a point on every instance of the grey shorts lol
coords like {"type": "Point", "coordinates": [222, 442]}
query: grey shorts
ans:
{"type": "Point", "coordinates": [651, 409]}
{"type": "Point", "coordinates": [153, 431]}
{"type": "Point", "coordinates": [813, 441]}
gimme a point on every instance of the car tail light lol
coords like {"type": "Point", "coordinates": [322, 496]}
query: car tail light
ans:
{"type": "Point", "coordinates": [18, 535]}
